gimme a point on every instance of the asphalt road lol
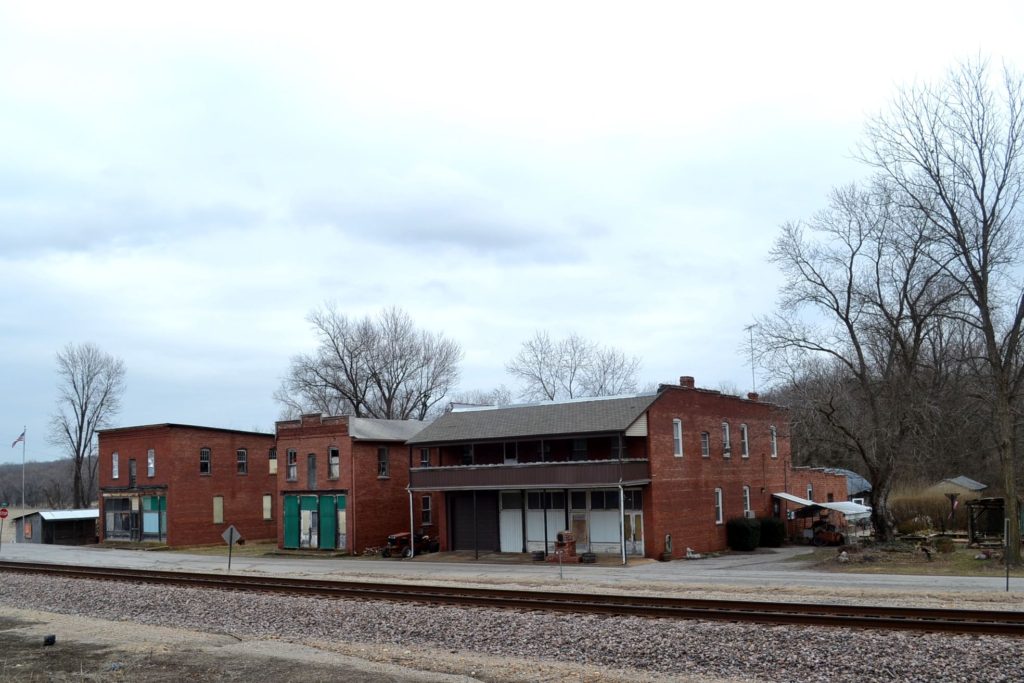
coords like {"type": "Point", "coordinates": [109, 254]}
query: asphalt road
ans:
{"type": "Point", "coordinates": [769, 568]}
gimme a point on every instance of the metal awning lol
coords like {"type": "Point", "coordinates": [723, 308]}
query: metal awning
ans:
{"type": "Point", "coordinates": [847, 508]}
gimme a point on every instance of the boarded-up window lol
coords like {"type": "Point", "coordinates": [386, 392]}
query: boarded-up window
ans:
{"type": "Point", "coordinates": [272, 461]}
{"type": "Point", "coordinates": [218, 509]}
{"type": "Point", "coordinates": [333, 463]}
{"type": "Point", "coordinates": [268, 506]}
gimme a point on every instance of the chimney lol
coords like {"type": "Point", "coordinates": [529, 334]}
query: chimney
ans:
{"type": "Point", "coordinates": [686, 382]}
{"type": "Point", "coordinates": [752, 396]}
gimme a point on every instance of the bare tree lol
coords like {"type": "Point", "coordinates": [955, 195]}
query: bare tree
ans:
{"type": "Point", "coordinates": [499, 396]}
{"type": "Point", "coordinates": [90, 389]}
{"type": "Point", "coordinates": [383, 368]}
{"type": "Point", "coordinates": [572, 367]}
{"type": "Point", "coordinates": [874, 296]}
{"type": "Point", "coordinates": [955, 150]}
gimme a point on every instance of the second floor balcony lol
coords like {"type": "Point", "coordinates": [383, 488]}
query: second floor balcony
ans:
{"type": "Point", "coordinates": [532, 475]}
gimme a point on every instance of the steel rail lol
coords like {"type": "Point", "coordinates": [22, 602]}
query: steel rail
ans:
{"type": "Point", "coordinates": [993, 622]}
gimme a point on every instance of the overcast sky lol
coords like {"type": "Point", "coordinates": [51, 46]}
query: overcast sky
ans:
{"type": "Point", "coordinates": [182, 184]}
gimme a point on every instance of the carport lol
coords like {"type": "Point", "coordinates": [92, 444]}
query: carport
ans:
{"type": "Point", "coordinates": [813, 510]}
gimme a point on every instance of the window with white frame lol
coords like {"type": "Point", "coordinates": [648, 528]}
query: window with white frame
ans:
{"type": "Point", "coordinates": [774, 441]}
{"type": "Point", "coordinates": [719, 516]}
{"type": "Point", "coordinates": [151, 462]}
{"type": "Point", "coordinates": [425, 511]}
{"type": "Point", "coordinates": [705, 445]}
{"type": "Point", "coordinates": [115, 469]}
{"type": "Point", "coordinates": [810, 492]}
{"type": "Point", "coordinates": [242, 461]}
{"type": "Point", "coordinates": [272, 461]}
{"type": "Point", "coordinates": [746, 499]}
{"type": "Point", "coordinates": [383, 464]}
{"type": "Point", "coordinates": [726, 443]}
{"type": "Point", "coordinates": [424, 457]}
{"type": "Point", "coordinates": [204, 461]}
{"type": "Point", "coordinates": [333, 463]}
{"type": "Point", "coordinates": [677, 437]}
{"type": "Point", "coordinates": [293, 465]}
{"type": "Point", "coordinates": [744, 442]}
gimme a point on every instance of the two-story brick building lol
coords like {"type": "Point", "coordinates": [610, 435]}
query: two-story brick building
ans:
{"type": "Point", "coordinates": [183, 484]}
{"type": "Point", "coordinates": [622, 473]}
{"type": "Point", "coordinates": [343, 482]}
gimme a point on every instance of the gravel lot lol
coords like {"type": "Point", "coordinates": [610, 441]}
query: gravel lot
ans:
{"type": "Point", "coordinates": [497, 645]}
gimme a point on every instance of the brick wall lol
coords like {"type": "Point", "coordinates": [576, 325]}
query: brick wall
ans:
{"type": "Point", "coordinates": [189, 493]}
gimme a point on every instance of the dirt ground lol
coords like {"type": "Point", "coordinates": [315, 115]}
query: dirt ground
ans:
{"type": "Point", "coordinates": [95, 650]}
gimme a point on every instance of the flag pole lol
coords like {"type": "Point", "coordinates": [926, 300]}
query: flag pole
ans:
{"type": "Point", "coordinates": [24, 431]}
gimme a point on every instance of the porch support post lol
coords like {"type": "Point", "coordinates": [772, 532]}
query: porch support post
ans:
{"type": "Point", "coordinates": [568, 504]}
{"type": "Point", "coordinates": [622, 522]}
{"type": "Point", "coordinates": [476, 531]}
{"type": "Point", "coordinates": [523, 511]}
{"type": "Point", "coordinates": [412, 523]}
{"type": "Point", "coordinates": [544, 506]}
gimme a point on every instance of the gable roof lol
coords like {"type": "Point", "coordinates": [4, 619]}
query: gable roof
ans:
{"type": "Point", "coordinates": [371, 429]}
{"type": "Point", "coordinates": [578, 416]}
{"type": "Point", "coordinates": [967, 483]}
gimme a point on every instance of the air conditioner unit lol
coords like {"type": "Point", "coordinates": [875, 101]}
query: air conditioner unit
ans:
{"type": "Point", "coordinates": [749, 514]}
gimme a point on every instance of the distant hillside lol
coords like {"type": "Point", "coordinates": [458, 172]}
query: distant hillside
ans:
{"type": "Point", "coordinates": [47, 484]}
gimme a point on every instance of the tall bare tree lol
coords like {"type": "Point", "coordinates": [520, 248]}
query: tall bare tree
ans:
{"type": "Point", "coordinates": [383, 367]}
{"type": "Point", "coordinates": [91, 385]}
{"type": "Point", "coordinates": [861, 300]}
{"type": "Point", "coordinates": [955, 148]}
{"type": "Point", "coordinates": [572, 367]}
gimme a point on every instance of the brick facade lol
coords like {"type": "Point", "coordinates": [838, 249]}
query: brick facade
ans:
{"type": "Point", "coordinates": [376, 505]}
{"type": "Point", "coordinates": [189, 494]}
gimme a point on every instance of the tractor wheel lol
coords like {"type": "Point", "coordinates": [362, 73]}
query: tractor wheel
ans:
{"type": "Point", "coordinates": [407, 552]}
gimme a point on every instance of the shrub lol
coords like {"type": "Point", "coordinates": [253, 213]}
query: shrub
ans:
{"type": "Point", "coordinates": [742, 533]}
{"type": "Point", "coordinates": [944, 545]}
{"type": "Point", "coordinates": [773, 532]}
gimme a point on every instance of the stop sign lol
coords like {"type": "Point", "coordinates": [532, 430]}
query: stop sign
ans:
{"type": "Point", "coordinates": [3, 513]}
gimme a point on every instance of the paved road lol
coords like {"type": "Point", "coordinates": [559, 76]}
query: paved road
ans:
{"type": "Point", "coordinates": [768, 568]}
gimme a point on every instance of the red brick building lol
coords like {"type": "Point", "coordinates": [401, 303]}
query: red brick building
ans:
{"type": "Point", "coordinates": [622, 473]}
{"type": "Point", "coordinates": [184, 485]}
{"type": "Point", "coordinates": [343, 482]}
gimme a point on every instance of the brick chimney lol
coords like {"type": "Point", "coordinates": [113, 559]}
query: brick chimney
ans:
{"type": "Point", "coordinates": [686, 382]}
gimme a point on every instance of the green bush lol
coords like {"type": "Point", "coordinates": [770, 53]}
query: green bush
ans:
{"type": "Point", "coordinates": [742, 533]}
{"type": "Point", "coordinates": [773, 532]}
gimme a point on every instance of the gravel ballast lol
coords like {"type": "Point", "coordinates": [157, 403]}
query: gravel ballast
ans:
{"type": "Point", "coordinates": [525, 641]}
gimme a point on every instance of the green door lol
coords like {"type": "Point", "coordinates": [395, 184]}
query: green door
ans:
{"type": "Point", "coordinates": [328, 526]}
{"type": "Point", "coordinates": [291, 521]}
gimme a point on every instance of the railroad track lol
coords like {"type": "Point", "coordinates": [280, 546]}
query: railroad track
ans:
{"type": "Point", "coordinates": [992, 622]}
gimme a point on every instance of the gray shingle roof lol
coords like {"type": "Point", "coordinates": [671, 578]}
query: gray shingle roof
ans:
{"type": "Point", "coordinates": [589, 416]}
{"type": "Point", "coordinates": [370, 429]}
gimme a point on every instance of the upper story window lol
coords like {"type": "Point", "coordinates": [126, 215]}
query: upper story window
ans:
{"type": "Point", "coordinates": [774, 433]}
{"type": "Point", "coordinates": [242, 461]}
{"type": "Point", "coordinates": [151, 462]}
{"type": "Point", "coordinates": [726, 443]}
{"type": "Point", "coordinates": [746, 499]}
{"type": "Point", "coordinates": [272, 461]}
{"type": "Point", "coordinates": [467, 454]}
{"type": "Point", "coordinates": [705, 445]}
{"type": "Point", "coordinates": [115, 469]}
{"type": "Point", "coordinates": [383, 466]}
{"type": "Point", "coordinates": [424, 457]}
{"type": "Point", "coordinates": [293, 465]}
{"type": "Point", "coordinates": [744, 442]}
{"type": "Point", "coordinates": [719, 515]}
{"type": "Point", "coordinates": [333, 463]}
{"type": "Point", "coordinates": [677, 437]}
{"type": "Point", "coordinates": [204, 461]}
{"type": "Point", "coordinates": [810, 492]}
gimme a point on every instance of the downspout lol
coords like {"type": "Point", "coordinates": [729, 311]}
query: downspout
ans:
{"type": "Point", "coordinates": [412, 523]}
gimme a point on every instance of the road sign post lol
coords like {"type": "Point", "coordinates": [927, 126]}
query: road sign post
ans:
{"type": "Point", "coordinates": [231, 537]}
{"type": "Point", "coordinates": [3, 516]}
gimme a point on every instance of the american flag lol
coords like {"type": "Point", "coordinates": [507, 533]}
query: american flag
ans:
{"type": "Point", "coordinates": [20, 439]}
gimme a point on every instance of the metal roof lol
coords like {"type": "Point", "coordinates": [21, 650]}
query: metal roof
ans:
{"type": "Point", "coordinates": [855, 483]}
{"type": "Point", "coordinates": [68, 515]}
{"type": "Point", "coordinates": [371, 429]}
{"type": "Point", "coordinates": [844, 506]}
{"type": "Point", "coordinates": [967, 483]}
{"type": "Point", "coordinates": [581, 416]}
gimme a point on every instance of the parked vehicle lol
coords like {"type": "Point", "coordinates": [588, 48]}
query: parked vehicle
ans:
{"type": "Point", "coordinates": [398, 544]}
{"type": "Point", "coordinates": [826, 534]}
